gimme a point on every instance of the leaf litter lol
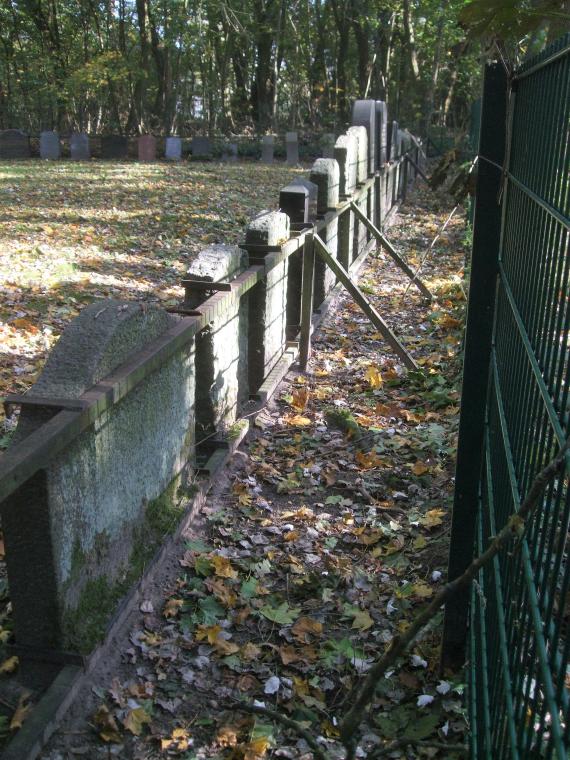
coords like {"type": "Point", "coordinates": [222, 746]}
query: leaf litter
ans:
{"type": "Point", "coordinates": [328, 535]}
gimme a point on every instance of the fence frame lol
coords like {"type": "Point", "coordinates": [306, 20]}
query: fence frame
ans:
{"type": "Point", "coordinates": [514, 418]}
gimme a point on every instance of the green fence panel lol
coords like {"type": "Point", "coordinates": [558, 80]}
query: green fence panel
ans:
{"type": "Point", "coordinates": [519, 619]}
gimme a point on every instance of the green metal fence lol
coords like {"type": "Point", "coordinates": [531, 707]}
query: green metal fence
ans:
{"type": "Point", "coordinates": [515, 417]}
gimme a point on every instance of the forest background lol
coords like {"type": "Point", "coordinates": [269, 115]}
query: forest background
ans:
{"type": "Point", "coordinates": [248, 66]}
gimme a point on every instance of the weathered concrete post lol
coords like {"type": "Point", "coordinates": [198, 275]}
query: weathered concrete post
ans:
{"type": "Point", "coordinates": [346, 154]}
{"type": "Point", "coordinates": [268, 299]}
{"type": "Point", "coordinates": [292, 147]}
{"type": "Point", "coordinates": [325, 173]}
{"type": "Point", "coordinates": [80, 531]}
{"type": "Point", "coordinates": [221, 349]}
{"type": "Point", "coordinates": [360, 232]}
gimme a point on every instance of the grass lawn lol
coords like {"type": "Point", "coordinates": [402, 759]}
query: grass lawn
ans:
{"type": "Point", "coordinates": [74, 232]}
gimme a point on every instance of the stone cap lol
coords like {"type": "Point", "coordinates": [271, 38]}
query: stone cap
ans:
{"type": "Point", "coordinates": [268, 228]}
{"type": "Point", "coordinates": [216, 263]}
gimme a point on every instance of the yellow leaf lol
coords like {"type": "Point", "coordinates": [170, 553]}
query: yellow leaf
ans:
{"type": "Point", "coordinates": [209, 632]}
{"type": "Point", "coordinates": [422, 590]}
{"type": "Point", "coordinates": [300, 399]}
{"type": "Point", "coordinates": [368, 461]}
{"type": "Point", "coordinates": [179, 740]}
{"type": "Point", "coordinates": [373, 376]}
{"type": "Point", "coordinates": [250, 651]}
{"type": "Point", "coordinates": [420, 543]}
{"type": "Point", "coordinates": [296, 420]}
{"type": "Point", "coordinates": [432, 518]}
{"type": "Point", "coordinates": [419, 468]}
{"type": "Point", "coordinates": [291, 535]}
{"type": "Point", "coordinates": [362, 620]}
{"type": "Point", "coordinates": [9, 665]}
{"type": "Point", "coordinates": [225, 647]}
{"type": "Point", "coordinates": [256, 748]}
{"type": "Point", "coordinates": [135, 720]}
{"type": "Point", "coordinates": [223, 567]}
{"type": "Point", "coordinates": [172, 607]}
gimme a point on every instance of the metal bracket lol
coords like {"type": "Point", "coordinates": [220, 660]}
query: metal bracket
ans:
{"type": "Point", "coordinates": [24, 400]}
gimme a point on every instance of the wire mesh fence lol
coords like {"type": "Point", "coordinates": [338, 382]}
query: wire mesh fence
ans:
{"type": "Point", "coordinates": [519, 638]}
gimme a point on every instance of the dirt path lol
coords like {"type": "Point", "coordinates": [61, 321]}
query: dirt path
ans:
{"type": "Point", "coordinates": [327, 535]}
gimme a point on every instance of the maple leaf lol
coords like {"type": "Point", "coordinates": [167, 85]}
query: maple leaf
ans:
{"type": "Point", "coordinates": [209, 632]}
{"type": "Point", "coordinates": [296, 420]}
{"type": "Point", "coordinates": [369, 461]}
{"type": "Point", "coordinates": [420, 468]}
{"type": "Point", "coordinates": [284, 615]}
{"type": "Point", "coordinates": [256, 748]}
{"type": "Point", "coordinates": [362, 620]}
{"type": "Point", "coordinates": [432, 518]}
{"type": "Point", "coordinates": [223, 567]}
{"type": "Point", "coordinates": [373, 376]}
{"type": "Point", "coordinates": [135, 720]}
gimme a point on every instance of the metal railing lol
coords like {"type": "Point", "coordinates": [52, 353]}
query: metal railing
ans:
{"type": "Point", "coordinates": [515, 417]}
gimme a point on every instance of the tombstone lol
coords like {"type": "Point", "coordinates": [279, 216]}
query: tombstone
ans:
{"type": "Point", "coordinates": [114, 147]}
{"type": "Point", "coordinates": [346, 154]}
{"type": "Point", "coordinates": [147, 148]}
{"type": "Point", "coordinates": [364, 115]}
{"type": "Point", "coordinates": [361, 136]}
{"type": "Point", "coordinates": [14, 144]}
{"type": "Point", "coordinates": [79, 146]}
{"type": "Point", "coordinates": [267, 147]}
{"type": "Point", "coordinates": [201, 148]}
{"type": "Point", "coordinates": [381, 133]}
{"type": "Point", "coordinates": [292, 145]}
{"type": "Point", "coordinates": [230, 153]}
{"type": "Point", "coordinates": [393, 140]}
{"type": "Point", "coordinates": [328, 145]}
{"type": "Point", "coordinates": [298, 200]}
{"type": "Point", "coordinates": [173, 149]}
{"type": "Point", "coordinates": [50, 148]}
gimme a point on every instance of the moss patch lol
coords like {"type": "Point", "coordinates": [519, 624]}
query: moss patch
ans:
{"type": "Point", "coordinates": [85, 625]}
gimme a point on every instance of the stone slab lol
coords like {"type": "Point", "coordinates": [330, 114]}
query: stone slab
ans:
{"type": "Point", "coordinates": [328, 143]}
{"type": "Point", "coordinates": [382, 132]}
{"type": "Point", "coordinates": [267, 148]}
{"type": "Point", "coordinates": [50, 147]}
{"type": "Point", "coordinates": [173, 149]}
{"type": "Point", "coordinates": [230, 153]}
{"type": "Point", "coordinates": [325, 174]}
{"type": "Point", "coordinates": [361, 136]}
{"type": "Point", "coordinates": [146, 145]}
{"type": "Point", "coordinates": [221, 349]}
{"type": "Point", "coordinates": [346, 154]}
{"type": "Point", "coordinates": [81, 523]}
{"type": "Point", "coordinates": [114, 147]}
{"type": "Point", "coordinates": [292, 148]}
{"type": "Point", "coordinates": [201, 148]}
{"type": "Point", "coordinates": [79, 146]}
{"type": "Point", "coordinates": [14, 144]}
{"type": "Point", "coordinates": [364, 115]}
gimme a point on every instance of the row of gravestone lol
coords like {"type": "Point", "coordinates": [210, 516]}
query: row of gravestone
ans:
{"type": "Point", "coordinates": [16, 144]}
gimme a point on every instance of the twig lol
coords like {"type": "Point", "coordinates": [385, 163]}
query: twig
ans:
{"type": "Point", "coordinates": [285, 721]}
{"type": "Point", "coordinates": [361, 695]}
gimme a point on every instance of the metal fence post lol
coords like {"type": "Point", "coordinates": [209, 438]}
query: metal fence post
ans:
{"type": "Point", "coordinates": [484, 268]}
